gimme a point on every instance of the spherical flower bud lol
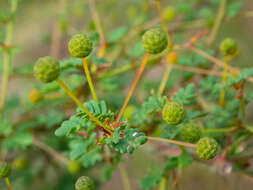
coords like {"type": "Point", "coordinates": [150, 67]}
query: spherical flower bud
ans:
{"type": "Point", "coordinates": [5, 169]}
{"type": "Point", "coordinates": [191, 133]}
{"type": "Point", "coordinates": [20, 163]}
{"type": "Point", "coordinates": [173, 113]}
{"type": "Point", "coordinates": [169, 13]}
{"type": "Point", "coordinates": [207, 148]}
{"type": "Point", "coordinates": [74, 167]}
{"type": "Point", "coordinates": [46, 69]}
{"type": "Point", "coordinates": [154, 41]}
{"type": "Point", "coordinates": [80, 46]}
{"type": "Point", "coordinates": [172, 57]}
{"type": "Point", "coordinates": [129, 111]}
{"type": "Point", "coordinates": [84, 183]}
{"type": "Point", "coordinates": [228, 47]}
{"type": "Point", "coordinates": [35, 96]}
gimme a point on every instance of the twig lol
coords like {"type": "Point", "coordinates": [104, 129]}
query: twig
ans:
{"type": "Point", "coordinates": [136, 80]}
{"type": "Point", "coordinates": [218, 20]}
{"type": "Point", "coordinates": [98, 25]}
{"type": "Point", "coordinates": [216, 61]}
{"type": "Point", "coordinates": [172, 142]}
{"type": "Point", "coordinates": [87, 72]}
{"type": "Point", "coordinates": [7, 56]}
{"type": "Point", "coordinates": [124, 177]}
{"type": "Point", "coordinates": [75, 99]}
{"type": "Point", "coordinates": [50, 151]}
{"type": "Point", "coordinates": [8, 183]}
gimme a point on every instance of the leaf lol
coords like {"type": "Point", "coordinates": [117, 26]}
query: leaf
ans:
{"type": "Point", "coordinates": [91, 157]}
{"type": "Point", "coordinates": [234, 8]}
{"type": "Point", "coordinates": [186, 95]}
{"type": "Point", "coordinates": [154, 104]}
{"type": "Point", "coordinates": [137, 50]}
{"type": "Point", "coordinates": [131, 140]}
{"type": "Point", "coordinates": [117, 34]}
{"type": "Point", "coordinates": [194, 114]}
{"type": "Point", "coordinates": [81, 147]}
{"type": "Point", "coordinates": [5, 127]}
{"type": "Point", "coordinates": [99, 110]}
{"type": "Point", "coordinates": [67, 127]}
{"type": "Point", "coordinates": [184, 160]}
{"type": "Point", "coordinates": [245, 74]}
{"type": "Point", "coordinates": [18, 140]}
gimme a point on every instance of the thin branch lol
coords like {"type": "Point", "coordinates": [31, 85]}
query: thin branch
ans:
{"type": "Point", "coordinates": [124, 177]}
{"type": "Point", "coordinates": [218, 20]}
{"type": "Point", "coordinates": [51, 151]}
{"type": "Point", "coordinates": [172, 142]}
{"type": "Point", "coordinates": [136, 80]}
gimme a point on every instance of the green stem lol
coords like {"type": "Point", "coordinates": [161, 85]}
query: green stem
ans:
{"type": "Point", "coordinates": [89, 79]}
{"type": "Point", "coordinates": [124, 177]}
{"type": "Point", "coordinates": [7, 56]}
{"type": "Point", "coordinates": [75, 99]}
{"type": "Point", "coordinates": [222, 130]}
{"type": "Point", "coordinates": [163, 183]}
{"type": "Point", "coordinates": [218, 20]}
{"type": "Point", "coordinates": [180, 143]}
{"type": "Point", "coordinates": [8, 183]}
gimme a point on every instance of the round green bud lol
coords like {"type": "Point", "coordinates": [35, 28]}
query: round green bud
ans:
{"type": "Point", "coordinates": [129, 111]}
{"type": "Point", "coordinates": [191, 133]}
{"type": "Point", "coordinates": [74, 167]}
{"type": "Point", "coordinates": [84, 183]}
{"type": "Point", "coordinates": [20, 163]}
{"type": "Point", "coordinates": [154, 41]}
{"type": "Point", "coordinates": [169, 13]}
{"type": "Point", "coordinates": [80, 46]}
{"type": "Point", "coordinates": [35, 96]}
{"type": "Point", "coordinates": [207, 148]}
{"type": "Point", "coordinates": [46, 69]}
{"type": "Point", "coordinates": [5, 169]}
{"type": "Point", "coordinates": [228, 47]}
{"type": "Point", "coordinates": [173, 113]}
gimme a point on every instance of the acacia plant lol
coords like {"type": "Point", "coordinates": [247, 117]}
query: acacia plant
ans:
{"type": "Point", "coordinates": [161, 83]}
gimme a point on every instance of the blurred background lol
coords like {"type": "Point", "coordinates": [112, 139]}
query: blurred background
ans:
{"type": "Point", "coordinates": [39, 22]}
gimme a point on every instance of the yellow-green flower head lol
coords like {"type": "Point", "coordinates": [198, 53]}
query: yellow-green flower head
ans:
{"type": "Point", "coordinates": [74, 167]}
{"type": "Point", "coordinates": [173, 113]}
{"type": "Point", "coordinates": [228, 47]}
{"type": "Point", "coordinates": [35, 96]}
{"type": "Point", "coordinates": [169, 13]}
{"type": "Point", "coordinates": [5, 169]}
{"type": "Point", "coordinates": [80, 46]}
{"type": "Point", "coordinates": [20, 163]}
{"type": "Point", "coordinates": [191, 133]}
{"type": "Point", "coordinates": [154, 41]}
{"type": "Point", "coordinates": [46, 69]}
{"type": "Point", "coordinates": [207, 148]}
{"type": "Point", "coordinates": [84, 183]}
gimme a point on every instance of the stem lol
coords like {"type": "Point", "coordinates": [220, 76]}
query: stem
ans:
{"type": "Point", "coordinates": [222, 130]}
{"type": "Point", "coordinates": [51, 151]}
{"type": "Point", "coordinates": [158, 6]}
{"type": "Point", "coordinates": [98, 25]}
{"type": "Point", "coordinates": [163, 183]}
{"type": "Point", "coordinates": [57, 33]}
{"type": "Point", "coordinates": [8, 183]}
{"type": "Point", "coordinates": [165, 78]}
{"type": "Point", "coordinates": [7, 56]}
{"type": "Point", "coordinates": [136, 80]}
{"type": "Point", "coordinates": [87, 72]}
{"type": "Point", "coordinates": [217, 61]}
{"type": "Point", "coordinates": [218, 20]}
{"type": "Point", "coordinates": [242, 104]}
{"type": "Point", "coordinates": [224, 80]}
{"type": "Point", "coordinates": [75, 99]}
{"type": "Point", "coordinates": [172, 142]}
{"type": "Point", "coordinates": [124, 177]}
